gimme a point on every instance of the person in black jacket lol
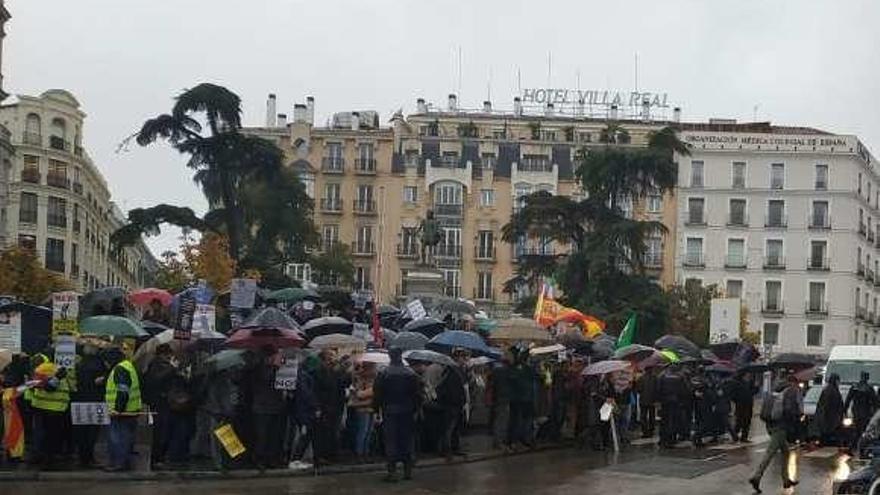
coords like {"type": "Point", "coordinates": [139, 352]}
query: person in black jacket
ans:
{"type": "Point", "coordinates": [863, 400]}
{"type": "Point", "coordinates": [90, 376]}
{"type": "Point", "coordinates": [451, 399]}
{"type": "Point", "coordinates": [780, 430]}
{"type": "Point", "coordinates": [744, 391]}
{"type": "Point", "coordinates": [267, 408]}
{"type": "Point", "coordinates": [671, 389]}
{"type": "Point", "coordinates": [830, 411]}
{"type": "Point", "coordinates": [157, 383]}
{"type": "Point", "coordinates": [330, 384]}
{"type": "Point", "coordinates": [397, 394]}
{"type": "Point", "coordinates": [646, 386]}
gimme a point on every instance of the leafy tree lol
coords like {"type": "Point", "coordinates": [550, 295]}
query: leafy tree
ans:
{"type": "Point", "coordinates": [690, 309]}
{"type": "Point", "coordinates": [173, 274]}
{"type": "Point", "coordinates": [258, 204]}
{"type": "Point", "coordinates": [209, 259]}
{"type": "Point", "coordinates": [604, 274]}
{"type": "Point", "coordinates": [333, 266]}
{"type": "Point", "coordinates": [25, 278]}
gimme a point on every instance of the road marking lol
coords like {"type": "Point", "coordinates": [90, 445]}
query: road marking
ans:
{"type": "Point", "coordinates": [719, 456]}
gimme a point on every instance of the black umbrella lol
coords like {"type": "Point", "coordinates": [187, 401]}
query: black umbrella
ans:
{"type": "Point", "coordinates": [105, 301]}
{"type": "Point", "coordinates": [680, 345]}
{"type": "Point", "coordinates": [270, 318]}
{"type": "Point", "coordinates": [735, 350]}
{"type": "Point", "coordinates": [793, 361]}
{"type": "Point", "coordinates": [387, 309]}
{"type": "Point", "coordinates": [429, 327]}
{"type": "Point", "coordinates": [754, 368]}
{"type": "Point", "coordinates": [153, 327]}
{"type": "Point", "coordinates": [408, 341]}
{"type": "Point", "coordinates": [602, 346]}
{"type": "Point", "coordinates": [326, 326]}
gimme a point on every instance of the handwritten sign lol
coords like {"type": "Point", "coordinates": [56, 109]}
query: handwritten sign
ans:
{"type": "Point", "coordinates": [204, 319]}
{"type": "Point", "coordinates": [65, 311]}
{"type": "Point", "coordinates": [229, 440]}
{"type": "Point", "coordinates": [285, 377]}
{"type": "Point", "coordinates": [416, 309]}
{"type": "Point", "coordinates": [89, 413]}
{"type": "Point", "coordinates": [65, 351]}
{"type": "Point", "coordinates": [185, 313]}
{"type": "Point", "coordinates": [10, 331]}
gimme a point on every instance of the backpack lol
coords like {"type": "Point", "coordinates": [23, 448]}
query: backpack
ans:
{"type": "Point", "coordinates": [772, 407]}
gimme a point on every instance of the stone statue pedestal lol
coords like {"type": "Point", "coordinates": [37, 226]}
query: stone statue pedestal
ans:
{"type": "Point", "coordinates": [424, 283]}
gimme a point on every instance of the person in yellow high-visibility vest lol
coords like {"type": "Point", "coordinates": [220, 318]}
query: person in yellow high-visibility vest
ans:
{"type": "Point", "coordinates": [50, 401]}
{"type": "Point", "coordinates": [123, 397]}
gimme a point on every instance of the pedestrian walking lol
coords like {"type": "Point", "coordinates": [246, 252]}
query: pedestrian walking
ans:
{"type": "Point", "coordinates": [397, 396]}
{"type": "Point", "coordinates": [830, 411]}
{"type": "Point", "coordinates": [863, 400]}
{"type": "Point", "coordinates": [781, 412]}
{"type": "Point", "coordinates": [123, 398]}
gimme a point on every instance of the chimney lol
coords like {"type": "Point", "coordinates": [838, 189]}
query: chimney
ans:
{"type": "Point", "coordinates": [421, 106]}
{"type": "Point", "coordinates": [676, 114]}
{"type": "Point", "coordinates": [300, 114]}
{"type": "Point", "coordinates": [270, 110]}
{"type": "Point", "coordinates": [355, 121]}
{"type": "Point", "coordinates": [548, 111]}
{"type": "Point", "coordinates": [613, 115]}
{"type": "Point", "coordinates": [310, 106]}
{"type": "Point", "coordinates": [453, 102]}
{"type": "Point", "coordinates": [487, 106]}
{"type": "Point", "coordinates": [517, 106]}
{"type": "Point", "coordinates": [282, 120]}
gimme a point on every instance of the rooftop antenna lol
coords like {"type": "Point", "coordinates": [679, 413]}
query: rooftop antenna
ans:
{"type": "Point", "coordinates": [577, 79]}
{"type": "Point", "coordinates": [637, 71]}
{"type": "Point", "coordinates": [489, 85]}
{"type": "Point", "coordinates": [459, 73]}
{"type": "Point", "coordinates": [549, 66]}
{"type": "Point", "coordinates": [518, 80]}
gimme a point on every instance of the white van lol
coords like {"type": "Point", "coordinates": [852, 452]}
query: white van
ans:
{"type": "Point", "coordinates": [849, 361]}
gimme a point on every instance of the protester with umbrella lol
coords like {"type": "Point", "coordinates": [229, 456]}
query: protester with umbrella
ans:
{"type": "Point", "coordinates": [157, 384]}
{"type": "Point", "coordinates": [221, 401]}
{"type": "Point", "coordinates": [451, 401]}
{"type": "Point", "coordinates": [397, 398]}
{"type": "Point", "coordinates": [267, 408]}
{"type": "Point", "coordinates": [330, 385]}
{"type": "Point", "coordinates": [672, 390]}
{"type": "Point", "coordinates": [523, 384]}
{"type": "Point", "coordinates": [646, 387]}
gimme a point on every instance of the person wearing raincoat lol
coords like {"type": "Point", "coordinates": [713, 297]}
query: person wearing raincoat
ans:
{"type": "Point", "coordinates": [830, 411]}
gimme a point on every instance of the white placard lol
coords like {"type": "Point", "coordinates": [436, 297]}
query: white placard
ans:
{"type": "Point", "coordinates": [65, 351]}
{"type": "Point", "coordinates": [308, 305]}
{"type": "Point", "coordinates": [416, 309]}
{"type": "Point", "coordinates": [244, 292]}
{"type": "Point", "coordinates": [89, 413]}
{"type": "Point", "coordinates": [10, 331]}
{"type": "Point", "coordinates": [204, 319]}
{"type": "Point", "coordinates": [724, 319]}
{"type": "Point", "coordinates": [285, 377]}
{"type": "Point", "coordinates": [605, 411]}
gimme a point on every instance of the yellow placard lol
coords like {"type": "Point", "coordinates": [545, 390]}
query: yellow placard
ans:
{"type": "Point", "coordinates": [229, 440]}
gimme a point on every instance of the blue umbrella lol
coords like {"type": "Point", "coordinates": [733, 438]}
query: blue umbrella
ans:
{"type": "Point", "coordinates": [449, 340]}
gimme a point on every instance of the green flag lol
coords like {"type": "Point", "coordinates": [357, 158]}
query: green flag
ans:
{"type": "Point", "coordinates": [628, 333]}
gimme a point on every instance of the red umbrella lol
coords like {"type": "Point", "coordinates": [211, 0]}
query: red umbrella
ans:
{"type": "Point", "coordinates": [144, 297]}
{"type": "Point", "coordinates": [255, 338]}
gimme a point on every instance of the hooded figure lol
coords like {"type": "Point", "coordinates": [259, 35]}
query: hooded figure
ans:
{"type": "Point", "coordinates": [830, 411]}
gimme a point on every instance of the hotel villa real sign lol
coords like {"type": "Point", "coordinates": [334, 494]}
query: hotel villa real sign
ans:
{"type": "Point", "coordinates": [593, 97]}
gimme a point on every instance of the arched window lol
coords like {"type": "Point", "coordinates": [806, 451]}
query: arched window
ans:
{"type": "Point", "coordinates": [58, 135]}
{"type": "Point", "coordinates": [33, 134]}
{"type": "Point", "coordinates": [448, 193]}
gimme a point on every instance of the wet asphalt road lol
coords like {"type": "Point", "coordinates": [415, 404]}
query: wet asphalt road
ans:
{"type": "Point", "coordinates": [641, 469]}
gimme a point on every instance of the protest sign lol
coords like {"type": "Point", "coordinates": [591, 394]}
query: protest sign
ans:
{"type": "Point", "coordinates": [416, 309]}
{"type": "Point", "coordinates": [204, 319]}
{"type": "Point", "coordinates": [10, 331]}
{"type": "Point", "coordinates": [65, 311]}
{"type": "Point", "coordinates": [65, 351]}
{"type": "Point", "coordinates": [230, 441]}
{"type": "Point", "coordinates": [89, 413]}
{"type": "Point", "coordinates": [285, 377]}
{"type": "Point", "coordinates": [184, 321]}
{"type": "Point", "coordinates": [244, 292]}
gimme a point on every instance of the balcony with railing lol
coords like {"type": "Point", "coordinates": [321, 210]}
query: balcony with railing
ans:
{"type": "Point", "coordinates": [331, 205]}
{"type": "Point", "coordinates": [78, 188]}
{"type": "Point", "coordinates": [876, 280]}
{"type": "Point", "coordinates": [484, 253]}
{"type": "Point", "coordinates": [78, 150]}
{"type": "Point", "coordinates": [333, 164]}
{"type": "Point", "coordinates": [535, 164]}
{"type": "Point", "coordinates": [737, 220]}
{"type": "Point", "coordinates": [365, 166]}
{"type": "Point", "coordinates": [861, 313]}
{"type": "Point", "coordinates": [694, 260]}
{"type": "Point", "coordinates": [452, 291]}
{"type": "Point", "coordinates": [408, 250]}
{"type": "Point", "coordinates": [32, 138]}
{"type": "Point", "coordinates": [363, 248]}
{"type": "Point", "coordinates": [735, 262]}
{"type": "Point", "coordinates": [871, 236]}
{"type": "Point", "coordinates": [448, 210]}
{"type": "Point", "coordinates": [819, 222]}
{"type": "Point", "coordinates": [774, 262]}
{"type": "Point", "coordinates": [364, 207]}
{"type": "Point", "coordinates": [815, 263]}
{"type": "Point", "coordinates": [863, 230]}
{"type": "Point", "coordinates": [484, 294]}
{"type": "Point", "coordinates": [776, 221]}
{"type": "Point", "coordinates": [447, 251]}
{"type": "Point", "coordinates": [488, 162]}
{"type": "Point", "coordinates": [31, 175]}
{"type": "Point", "coordinates": [59, 143]}
{"type": "Point", "coordinates": [816, 308]}
{"type": "Point", "coordinates": [869, 275]}
{"type": "Point", "coordinates": [54, 179]}
{"type": "Point", "coordinates": [860, 269]}
{"type": "Point", "coordinates": [522, 250]}
{"type": "Point", "coordinates": [77, 226]}
{"type": "Point", "coordinates": [27, 216]}
{"type": "Point", "coordinates": [770, 307]}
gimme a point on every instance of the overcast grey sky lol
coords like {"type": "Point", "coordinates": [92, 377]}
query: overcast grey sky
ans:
{"type": "Point", "coordinates": [803, 62]}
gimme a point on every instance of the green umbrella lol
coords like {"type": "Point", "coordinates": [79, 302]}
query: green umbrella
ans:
{"type": "Point", "coordinates": [293, 294]}
{"type": "Point", "coordinates": [112, 326]}
{"type": "Point", "coordinates": [225, 360]}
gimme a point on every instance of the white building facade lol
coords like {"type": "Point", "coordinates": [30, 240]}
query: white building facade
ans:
{"type": "Point", "coordinates": [58, 203]}
{"type": "Point", "coordinates": [786, 219]}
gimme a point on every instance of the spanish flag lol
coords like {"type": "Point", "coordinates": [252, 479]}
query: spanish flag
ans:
{"type": "Point", "coordinates": [549, 312]}
{"type": "Point", "coordinates": [13, 434]}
